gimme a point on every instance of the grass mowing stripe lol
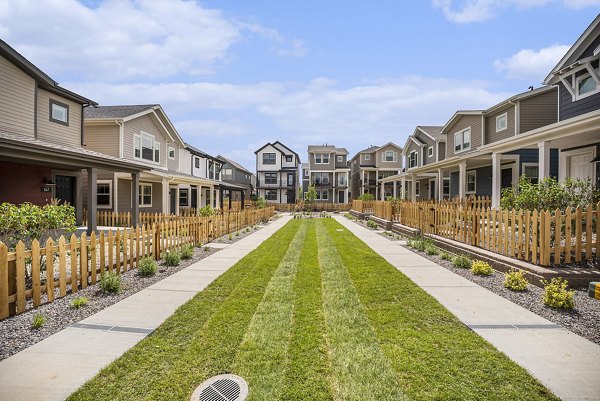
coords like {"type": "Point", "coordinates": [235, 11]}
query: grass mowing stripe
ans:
{"type": "Point", "coordinates": [199, 340]}
{"type": "Point", "coordinates": [263, 353]}
{"type": "Point", "coordinates": [435, 355]}
{"type": "Point", "coordinates": [308, 375]}
{"type": "Point", "coordinates": [360, 369]}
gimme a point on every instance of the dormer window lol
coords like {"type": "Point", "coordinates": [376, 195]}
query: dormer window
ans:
{"type": "Point", "coordinates": [145, 147]}
{"type": "Point", "coordinates": [389, 156]}
{"type": "Point", "coordinates": [501, 122]}
{"type": "Point", "coordinates": [59, 112]}
{"type": "Point", "coordinates": [462, 140]}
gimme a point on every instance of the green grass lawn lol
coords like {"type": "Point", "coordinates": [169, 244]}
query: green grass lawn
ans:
{"type": "Point", "coordinates": [314, 314]}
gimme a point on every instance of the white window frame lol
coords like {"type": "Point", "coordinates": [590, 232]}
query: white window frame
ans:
{"type": "Point", "coordinates": [394, 156]}
{"type": "Point", "coordinates": [531, 164]}
{"type": "Point", "coordinates": [367, 157]}
{"type": "Point", "coordinates": [155, 147]}
{"type": "Point", "coordinates": [590, 93]}
{"type": "Point", "coordinates": [63, 106]}
{"type": "Point", "coordinates": [505, 116]}
{"type": "Point", "coordinates": [187, 196]}
{"type": "Point", "coordinates": [110, 194]}
{"type": "Point", "coordinates": [141, 194]}
{"type": "Point", "coordinates": [472, 173]}
{"type": "Point", "coordinates": [416, 159]}
{"type": "Point", "coordinates": [342, 180]}
{"type": "Point", "coordinates": [417, 188]}
{"type": "Point", "coordinates": [290, 157]}
{"type": "Point", "coordinates": [321, 157]}
{"type": "Point", "coordinates": [268, 191]}
{"type": "Point", "coordinates": [462, 141]}
{"type": "Point", "coordinates": [169, 150]}
{"type": "Point", "coordinates": [446, 193]}
{"type": "Point", "coordinates": [430, 151]}
{"type": "Point", "coordinates": [196, 162]}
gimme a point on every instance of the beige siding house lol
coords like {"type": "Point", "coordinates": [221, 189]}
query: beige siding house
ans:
{"type": "Point", "coordinates": [327, 169]}
{"type": "Point", "coordinates": [373, 164]}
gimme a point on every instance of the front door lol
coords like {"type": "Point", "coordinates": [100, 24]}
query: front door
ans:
{"type": "Point", "coordinates": [341, 197]}
{"type": "Point", "coordinates": [432, 190]}
{"type": "Point", "coordinates": [507, 174]}
{"type": "Point", "coordinates": [65, 189]}
{"type": "Point", "coordinates": [172, 200]}
{"type": "Point", "coordinates": [194, 198]}
{"type": "Point", "coordinates": [580, 166]}
{"type": "Point", "coordinates": [291, 196]}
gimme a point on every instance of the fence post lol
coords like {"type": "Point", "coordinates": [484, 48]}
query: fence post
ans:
{"type": "Point", "coordinates": [4, 281]}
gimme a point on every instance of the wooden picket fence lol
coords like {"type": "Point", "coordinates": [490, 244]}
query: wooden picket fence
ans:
{"type": "Point", "coordinates": [541, 237]}
{"type": "Point", "coordinates": [315, 207]}
{"type": "Point", "coordinates": [45, 272]}
{"type": "Point", "coordinates": [363, 206]}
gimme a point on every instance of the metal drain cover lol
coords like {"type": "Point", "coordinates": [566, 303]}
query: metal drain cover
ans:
{"type": "Point", "coordinates": [221, 388]}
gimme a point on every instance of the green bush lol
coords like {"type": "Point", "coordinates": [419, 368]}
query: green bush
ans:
{"type": "Point", "coordinates": [79, 302]}
{"type": "Point", "coordinates": [110, 282]}
{"type": "Point", "coordinates": [431, 250]}
{"type": "Point", "coordinates": [187, 252]}
{"type": "Point", "coordinates": [372, 224]}
{"type": "Point", "coordinates": [237, 233]}
{"type": "Point", "coordinates": [557, 295]}
{"type": "Point", "coordinates": [230, 237]}
{"type": "Point", "coordinates": [549, 194]}
{"type": "Point", "coordinates": [366, 197]}
{"type": "Point", "coordinates": [445, 256]}
{"type": "Point", "coordinates": [172, 258]}
{"type": "Point", "coordinates": [147, 267]}
{"type": "Point", "coordinates": [461, 261]}
{"type": "Point", "coordinates": [481, 268]}
{"type": "Point", "coordinates": [515, 280]}
{"type": "Point", "coordinates": [206, 211]}
{"type": "Point", "coordinates": [421, 244]}
{"type": "Point", "coordinates": [206, 248]}
{"type": "Point", "coordinates": [261, 203]}
{"type": "Point", "coordinates": [27, 222]}
{"type": "Point", "coordinates": [38, 321]}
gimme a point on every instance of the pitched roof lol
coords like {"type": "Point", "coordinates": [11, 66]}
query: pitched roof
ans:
{"type": "Point", "coordinates": [198, 152]}
{"type": "Point", "coordinates": [321, 148]}
{"type": "Point", "coordinates": [121, 111]}
{"type": "Point", "coordinates": [434, 131]}
{"type": "Point", "coordinates": [234, 164]}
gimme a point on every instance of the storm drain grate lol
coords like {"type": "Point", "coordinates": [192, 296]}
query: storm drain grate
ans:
{"type": "Point", "coordinates": [514, 326]}
{"type": "Point", "coordinates": [222, 388]}
{"type": "Point", "coordinates": [105, 327]}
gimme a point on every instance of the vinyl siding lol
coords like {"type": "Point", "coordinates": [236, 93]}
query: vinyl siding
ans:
{"type": "Point", "coordinates": [17, 99]}
{"type": "Point", "coordinates": [429, 143]}
{"type": "Point", "coordinates": [379, 158]}
{"type": "Point", "coordinates": [102, 138]}
{"type": "Point", "coordinates": [464, 122]}
{"type": "Point", "coordinates": [147, 124]}
{"type": "Point", "coordinates": [483, 182]}
{"type": "Point", "coordinates": [371, 162]}
{"type": "Point", "coordinates": [570, 108]}
{"type": "Point", "coordinates": [413, 147]}
{"type": "Point", "coordinates": [538, 111]}
{"type": "Point", "coordinates": [441, 151]}
{"type": "Point", "coordinates": [318, 166]}
{"type": "Point", "coordinates": [124, 197]}
{"type": "Point", "coordinates": [55, 132]}
{"type": "Point", "coordinates": [490, 125]}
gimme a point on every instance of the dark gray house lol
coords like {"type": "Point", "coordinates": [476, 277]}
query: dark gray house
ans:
{"type": "Point", "coordinates": [234, 173]}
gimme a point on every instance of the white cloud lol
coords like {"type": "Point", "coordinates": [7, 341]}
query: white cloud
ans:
{"type": "Point", "coordinates": [467, 11]}
{"type": "Point", "coordinates": [126, 40]}
{"type": "Point", "coordinates": [531, 64]}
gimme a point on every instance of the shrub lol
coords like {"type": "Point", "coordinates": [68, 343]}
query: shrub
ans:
{"type": "Point", "coordinates": [38, 321]}
{"type": "Point", "coordinates": [481, 268]}
{"type": "Point", "coordinates": [371, 224]}
{"type": "Point", "coordinates": [206, 211]}
{"type": "Point", "coordinates": [515, 280]}
{"type": "Point", "coordinates": [421, 244]}
{"type": "Point", "coordinates": [206, 248]}
{"type": "Point", "coordinates": [172, 258]}
{"type": "Point", "coordinates": [110, 282]}
{"type": "Point", "coordinates": [431, 250]}
{"type": "Point", "coordinates": [261, 203]}
{"type": "Point", "coordinates": [147, 267]}
{"type": "Point", "coordinates": [367, 197]}
{"type": "Point", "coordinates": [445, 256]}
{"type": "Point", "coordinates": [187, 252]}
{"type": "Point", "coordinates": [461, 261]}
{"type": "Point", "coordinates": [237, 233]}
{"type": "Point", "coordinates": [79, 302]}
{"type": "Point", "coordinates": [557, 295]}
{"type": "Point", "coordinates": [230, 237]}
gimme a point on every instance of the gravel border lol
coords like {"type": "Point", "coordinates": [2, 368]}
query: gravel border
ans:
{"type": "Point", "coordinates": [583, 320]}
{"type": "Point", "coordinates": [17, 334]}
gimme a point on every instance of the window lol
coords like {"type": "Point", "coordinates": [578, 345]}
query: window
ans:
{"type": "Point", "coordinates": [104, 194]}
{"type": "Point", "coordinates": [322, 195]}
{"type": "Point", "coordinates": [183, 197]}
{"type": "Point", "coordinates": [321, 179]}
{"type": "Point", "coordinates": [501, 122]}
{"type": "Point", "coordinates": [271, 194]}
{"type": "Point", "coordinates": [418, 188]}
{"type": "Point", "coordinates": [290, 181]}
{"type": "Point", "coordinates": [342, 180]}
{"type": "Point", "coordinates": [59, 112]}
{"type": "Point", "coordinates": [145, 198]}
{"type": "Point", "coordinates": [430, 151]}
{"type": "Point", "coordinates": [289, 159]}
{"type": "Point", "coordinates": [367, 157]}
{"type": "Point", "coordinates": [340, 159]}
{"type": "Point", "coordinates": [471, 182]}
{"type": "Point", "coordinates": [389, 156]}
{"type": "Point", "coordinates": [171, 152]}
{"type": "Point", "coordinates": [197, 162]}
{"type": "Point", "coordinates": [270, 178]}
{"type": "Point", "coordinates": [412, 159]}
{"type": "Point", "coordinates": [305, 172]}
{"type": "Point", "coordinates": [218, 167]}
{"type": "Point", "coordinates": [446, 187]}
{"type": "Point", "coordinates": [322, 158]}
{"type": "Point", "coordinates": [269, 158]}
{"type": "Point", "coordinates": [585, 86]}
{"type": "Point", "coordinates": [462, 140]}
{"type": "Point", "coordinates": [146, 148]}
{"type": "Point", "coordinates": [531, 171]}
{"type": "Point", "coordinates": [227, 172]}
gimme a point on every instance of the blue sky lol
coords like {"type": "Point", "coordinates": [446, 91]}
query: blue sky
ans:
{"type": "Point", "coordinates": [234, 74]}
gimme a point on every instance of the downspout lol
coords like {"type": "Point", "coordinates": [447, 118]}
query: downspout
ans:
{"type": "Point", "coordinates": [121, 135]}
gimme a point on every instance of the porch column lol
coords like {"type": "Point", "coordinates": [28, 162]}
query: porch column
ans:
{"type": "Point", "coordinates": [92, 204]}
{"type": "Point", "coordinates": [212, 197]}
{"type": "Point", "coordinates": [544, 160]}
{"type": "Point", "coordinates": [440, 187]}
{"type": "Point", "coordinates": [229, 192]}
{"type": "Point", "coordinates": [403, 189]}
{"type": "Point", "coordinates": [394, 190]}
{"type": "Point", "coordinates": [362, 183]}
{"type": "Point", "coordinates": [135, 198]}
{"type": "Point", "coordinates": [177, 199]}
{"type": "Point", "coordinates": [496, 179]}
{"type": "Point", "coordinates": [165, 196]}
{"type": "Point", "coordinates": [413, 188]}
{"type": "Point", "coordinates": [243, 194]}
{"type": "Point", "coordinates": [220, 198]}
{"type": "Point", "coordinates": [382, 191]}
{"type": "Point", "coordinates": [462, 179]}
{"type": "Point", "coordinates": [198, 204]}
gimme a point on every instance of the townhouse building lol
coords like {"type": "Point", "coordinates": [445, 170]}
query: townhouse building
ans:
{"type": "Point", "coordinates": [327, 169]}
{"type": "Point", "coordinates": [42, 142]}
{"type": "Point", "coordinates": [373, 164]}
{"type": "Point", "coordinates": [277, 169]}
{"type": "Point", "coordinates": [235, 174]}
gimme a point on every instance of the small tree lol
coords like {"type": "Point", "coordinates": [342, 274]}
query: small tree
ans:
{"type": "Point", "coordinates": [367, 197]}
{"type": "Point", "coordinates": [311, 195]}
{"type": "Point", "coordinates": [261, 203]}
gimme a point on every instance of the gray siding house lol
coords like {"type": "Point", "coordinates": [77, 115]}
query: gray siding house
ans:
{"type": "Point", "coordinates": [277, 168]}
{"type": "Point", "coordinates": [372, 165]}
{"type": "Point", "coordinates": [327, 169]}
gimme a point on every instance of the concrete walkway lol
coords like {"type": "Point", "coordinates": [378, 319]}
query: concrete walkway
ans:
{"type": "Point", "coordinates": [566, 363]}
{"type": "Point", "coordinates": [55, 367]}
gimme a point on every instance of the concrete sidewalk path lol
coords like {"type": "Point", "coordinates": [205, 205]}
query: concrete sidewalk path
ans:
{"type": "Point", "coordinates": [567, 364]}
{"type": "Point", "coordinates": [58, 365]}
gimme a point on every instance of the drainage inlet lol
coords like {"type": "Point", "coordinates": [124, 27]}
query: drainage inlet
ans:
{"type": "Point", "coordinates": [222, 388]}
